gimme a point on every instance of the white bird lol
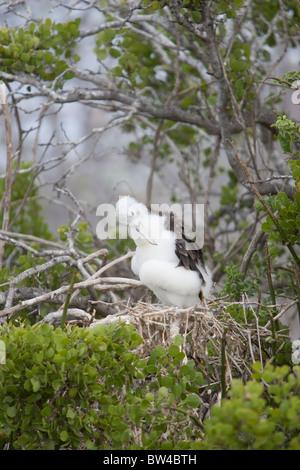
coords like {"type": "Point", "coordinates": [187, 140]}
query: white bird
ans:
{"type": "Point", "coordinates": [177, 275]}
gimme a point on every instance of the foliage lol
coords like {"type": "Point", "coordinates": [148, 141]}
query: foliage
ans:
{"type": "Point", "coordinates": [263, 414]}
{"type": "Point", "coordinates": [40, 48]}
{"type": "Point", "coordinates": [87, 388]}
{"type": "Point", "coordinates": [235, 284]}
{"type": "Point", "coordinates": [288, 210]}
{"type": "Point", "coordinates": [289, 132]}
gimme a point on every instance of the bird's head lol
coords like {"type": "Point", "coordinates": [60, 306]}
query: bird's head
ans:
{"type": "Point", "coordinates": [135, 216]}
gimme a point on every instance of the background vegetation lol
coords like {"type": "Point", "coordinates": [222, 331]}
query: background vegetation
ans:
{"type": "Point", "coordinates": [203, 94]}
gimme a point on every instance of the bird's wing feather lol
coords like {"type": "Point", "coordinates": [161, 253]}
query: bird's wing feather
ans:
{"type": "Point", "coordinates": [189, 254]}
{"type": "Point", "coordinates": [190, 259]}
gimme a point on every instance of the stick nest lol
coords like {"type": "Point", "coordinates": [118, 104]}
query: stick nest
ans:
{"type": "Point", "coordinates": [211, 336]}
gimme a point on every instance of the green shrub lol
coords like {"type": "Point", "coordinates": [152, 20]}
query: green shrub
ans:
{"type": "Point", "coordinates": [86, 388]}
{"type": "Point", "coordinates": [263, 414]}
{"type": "Point", "coordinates": [50, 395]}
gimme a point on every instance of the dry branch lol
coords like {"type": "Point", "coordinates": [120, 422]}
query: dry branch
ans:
{"type": "Point", "coordinates": [8, 178]}
{"type": "Point", "coordinates": [91, 281]}
{"type": "Point", "coordinates": [73, 314]}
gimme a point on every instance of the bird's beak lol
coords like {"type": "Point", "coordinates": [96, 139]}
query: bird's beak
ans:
{"type": "Point", "coordinates": [143, 233]}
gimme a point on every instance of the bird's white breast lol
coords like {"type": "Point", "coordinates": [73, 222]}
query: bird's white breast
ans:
{"type": "Point", "coordinates": [157, 267]}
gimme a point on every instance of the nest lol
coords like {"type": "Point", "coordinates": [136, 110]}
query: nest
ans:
{"type": "Point", "coordinates": [221, 347]}
{"type": "Point", "coordinates": [211, 336]}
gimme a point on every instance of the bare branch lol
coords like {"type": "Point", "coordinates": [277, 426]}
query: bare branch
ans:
{"type": "Point", "coordinates": [90, 282]}
{"type": "Point", "coordinates": [9, 159]}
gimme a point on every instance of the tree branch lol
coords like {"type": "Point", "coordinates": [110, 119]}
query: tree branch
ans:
{"type": "Point", "coordinates": [8, 179]}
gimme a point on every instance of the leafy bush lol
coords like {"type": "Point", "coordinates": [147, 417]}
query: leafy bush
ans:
{"type": "Point", "coordinates": [263, 414]}
{"type": "Point", "coordinates": [57, 385]}
{"type": "Point", "coordinates": [86, 388]}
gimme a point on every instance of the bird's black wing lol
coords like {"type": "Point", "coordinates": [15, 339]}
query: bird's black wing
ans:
{"type": "Point", "coordinates": [190, 256]}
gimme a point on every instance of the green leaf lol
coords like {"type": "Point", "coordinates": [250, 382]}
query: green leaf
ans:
{"type": "Point", "coordinates": [90, 445]}
{"type": "Point", "coordinates": [178, 340]}
{"type": "Point", "coordinates": [177, 390]}
{"type": "Point", "coordinates": [162, 392]}
{"type": "Point", "coordinates": [187, 371]}
{"type": "Point", "coordinates": [160, 351]}
{"type": "Point", "coordinates": [115, 53]}
{"type": "Point", "coordinates": [70, 413]}
{"type": "Point", "coordinates": [167, 445]}
{"type": "Point", "coordinates": [151, 369]}
{"type": "Point", "coordinates": [56, 385]}
{"type": "Point", "coordinates": [285, 141]}
{"type": "Point", "coordinates": [179, 357]}
{"type": "Point", "coordinates": [46, 411]}
{"type": "Point", "coordinates": [35, 384]}
{"type": "Point", "coordinates": [196, 16]}
{"type": "Point", "coordinates": [167, 381]}
{"type": "Point", "coordinates": [102, 54]}
{"type": "Point", "coordinates": [156, 5]}
{"type": "Point", "coordinates": [193, 400]}
{"type": "Point", "coordinates": [173, 350]}
{"type": "Point", "coordinates": [64, 436]}
{"type": "Point", "coordinates": [11, 411]}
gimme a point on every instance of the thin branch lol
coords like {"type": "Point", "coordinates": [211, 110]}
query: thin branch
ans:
{"type": "Point", "coordinates": [8, 179]}
{"type": "Point", "coordinates": [67, 302]}
{"type": "Point", "coordinates": [40, 241]}
{"type": "Point", "coordinates": [92, 281]}
{"type": "Point", "coordinates": [250, 251]}
{"type": "Point", "coordinates": [223, 364]}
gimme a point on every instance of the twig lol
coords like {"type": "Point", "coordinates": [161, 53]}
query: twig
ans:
{"type": "Point", "coordinates": [248, 331]}
{"type": "Point", "coordinates": [66, 305]}
{"type": "Point", "coordinates": [72, 230]}
{"type": "Point", "coordinates": [297, 287]}
{"type": "Point", "coordinates": [112, 263]}
{"type": "Point", "coordinates": [275, 325]}
{"type": "Point", "coordinates": [223, 364]}
{"type": "Point", "coordinates": [24, 200]}
{"type": "Point", "coordinates": [258, 334]}
{"type": "Point", "coordinates": [20, 244]}
{"type": "Point", "coordinates": [8, 179]}
{"type": "Point", "coordinates": [284, 310]}
{"type": "Point", "coordinates": [71, 314]}
{"type": "Point", "coordinates": [32, 238]}
{"type": "Point", "coordinates": [250, 250]}
{"type": "Point", "coordinates": [24, 293]}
